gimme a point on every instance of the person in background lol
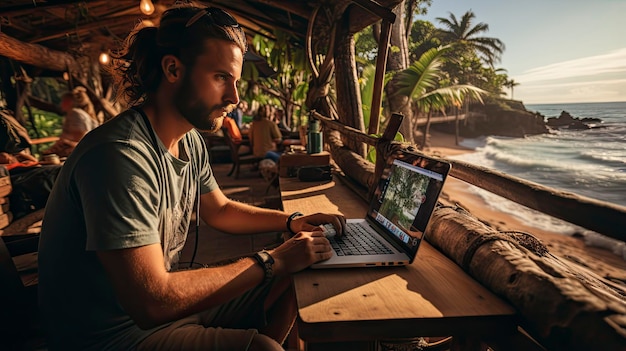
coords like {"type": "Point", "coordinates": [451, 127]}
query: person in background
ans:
{"type": "Point", "coordinates": [120, 211]}
{"type": "Point", "coordinates": [279, 117]}
{"type": "Point", "coordinates": [264, 134]}
{"type": "Point", "coordinates": [237, 112]}
{"type": "Point", "coordinates": [80, 118]}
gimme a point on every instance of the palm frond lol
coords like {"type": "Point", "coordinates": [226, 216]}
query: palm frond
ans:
{"type": "Point", "coordinates": [421, 75]}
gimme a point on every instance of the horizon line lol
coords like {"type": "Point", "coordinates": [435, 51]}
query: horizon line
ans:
{"type": "Point", "coordinates": [568, 103]}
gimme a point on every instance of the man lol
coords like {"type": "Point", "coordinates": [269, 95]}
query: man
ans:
{"type": "Point", "coordinates": [237, 113]}
{"type": "Point", "coordinates": [119, 214]}
{"type": "Point", "coordinates": [264, 134]}
{"type": "Point", "coordinates": [80, 118]}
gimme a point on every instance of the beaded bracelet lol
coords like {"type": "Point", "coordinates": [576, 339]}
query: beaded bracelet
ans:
{"type": "Point", "coordinates": [291, 217]}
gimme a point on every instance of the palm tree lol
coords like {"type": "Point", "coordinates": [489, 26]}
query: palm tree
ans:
{"type": "Point", "coordinates": [420, 82]}
{"type": "Point", "coordinates": [466, 37]}
{"type": "Point", "coordinates": [511, 84]}
{"type": "Point", "coordinates": [464, 95]}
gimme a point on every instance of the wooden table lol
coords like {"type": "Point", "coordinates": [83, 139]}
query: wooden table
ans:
{"type": "Point", "coordinates": [341, 309]}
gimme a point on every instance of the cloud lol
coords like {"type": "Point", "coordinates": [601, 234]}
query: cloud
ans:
{"type": "Point", "coordinates": [589, 79]}
{"type": "Point", "coordinates": [610, 63]}
{"type": "Point", "coordinates": [566, 92]}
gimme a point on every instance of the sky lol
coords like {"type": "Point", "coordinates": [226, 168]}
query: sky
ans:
{"type": "Point", "coordinates": [559, 51]}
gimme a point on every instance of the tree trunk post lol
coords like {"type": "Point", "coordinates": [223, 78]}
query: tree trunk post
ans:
{"type": "Point", "coordinates": [399, 60]}
{"type": "Point", "coordinates": [346, 80]}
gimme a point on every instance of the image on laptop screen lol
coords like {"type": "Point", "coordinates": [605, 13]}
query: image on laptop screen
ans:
{"type": "Point", "coordinates": [406, 197]}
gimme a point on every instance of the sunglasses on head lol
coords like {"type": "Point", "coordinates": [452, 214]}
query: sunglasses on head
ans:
{"type": "Point", "coordinates": [216, 16]}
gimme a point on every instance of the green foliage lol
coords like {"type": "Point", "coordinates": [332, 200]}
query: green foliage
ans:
{"type": "Point", "coordinates": [366, 82]}
{"type": "Point", "coordinates": [466, 37]}
{"type": "Point", "coordinates": [365, 46]}
{"type": "Point", "coordinates": [422, 83]}
{"type": "Point", "coordinates": [291, 82]}
{"type": "Point", "coordinates": [422, 75]}
{"type": "Point", "coordinates": [46, 123]}
{"type": "Point", "coordinates": [423, 38]}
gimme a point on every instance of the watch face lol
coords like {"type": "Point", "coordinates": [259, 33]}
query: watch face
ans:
{"type": "Point", "coordinates": [267, 258]}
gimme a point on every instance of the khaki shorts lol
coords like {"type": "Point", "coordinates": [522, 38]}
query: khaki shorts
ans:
{"type": "Point", "coordinates": [230, 326]}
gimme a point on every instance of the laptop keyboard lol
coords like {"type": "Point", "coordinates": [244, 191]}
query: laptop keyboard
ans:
{"type": "Point", "coordinates": [357, 241]}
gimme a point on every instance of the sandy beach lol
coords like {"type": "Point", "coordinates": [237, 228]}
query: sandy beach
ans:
{"type": "Point", "coordinates": [599, 260]}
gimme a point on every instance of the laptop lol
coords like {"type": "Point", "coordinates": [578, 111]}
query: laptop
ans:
{"type": "Point", "coordinates": [403, 202]}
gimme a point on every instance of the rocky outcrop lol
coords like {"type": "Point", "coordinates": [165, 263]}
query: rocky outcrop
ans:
{"type": "Point", "coordinates": [499, 118]}
{"type": "Point", "coordinates": [565, 120]}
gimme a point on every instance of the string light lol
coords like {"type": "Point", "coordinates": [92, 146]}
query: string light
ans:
{"type": "Point", "coordinates": [147, 7]}
{"type": "Point", "coordinates": [104, 58]}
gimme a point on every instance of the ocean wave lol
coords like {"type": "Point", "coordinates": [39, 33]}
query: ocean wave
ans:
{"type": "Point", "coordinates": [473, 143]}
{"type": "Point", "coordinates": [616, 160]}
{"type": "Point", "coordinates": [517, 161]}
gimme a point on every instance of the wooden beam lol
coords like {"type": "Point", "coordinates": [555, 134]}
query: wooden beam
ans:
{"type": "Point", "coordinates": [87, 27]}
{"type": "Point", "coordinates": [36, 55]}
{"type": "Point", "coordinates": [379, 77]}
{"type": "Point", "coordinates": [268, 24]}
{"type": "Point", "coordinates": [361, 18]}
{"type": "Point", "coordinates": [380, 11]}
{"type": "Point", "coordinates": [349, 132]}
{"type": "Point", "coordinates": [295, 7]}
{"type": "Point", "coordinates": [28, 8]}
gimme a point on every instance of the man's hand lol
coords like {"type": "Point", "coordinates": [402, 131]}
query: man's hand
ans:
{"type": "Point", "coordinates": [301, 251]}
{"type": "Point", "coordinates": [313, 223]}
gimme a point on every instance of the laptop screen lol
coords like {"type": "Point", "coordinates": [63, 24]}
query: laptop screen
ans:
{"type": "Point", "coordinates": [406, 196]}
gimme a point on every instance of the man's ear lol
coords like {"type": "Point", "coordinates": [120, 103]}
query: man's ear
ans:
{"type": "Point", "coordinates": [172, 68]}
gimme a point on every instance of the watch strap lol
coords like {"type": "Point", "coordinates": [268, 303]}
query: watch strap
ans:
{"type": "Point", "coordinates": [291, 217]}
{"type": "Point", "coordinates": [266, 261]}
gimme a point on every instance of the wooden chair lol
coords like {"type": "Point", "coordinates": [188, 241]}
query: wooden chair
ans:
{"type": "Point", "coordinates": [238, 157]}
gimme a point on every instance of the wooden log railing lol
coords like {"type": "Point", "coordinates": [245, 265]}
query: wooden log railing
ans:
{"type": "Point", "coordinates": [602, 217]}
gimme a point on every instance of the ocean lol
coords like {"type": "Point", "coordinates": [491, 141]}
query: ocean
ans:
{"type": "Point", "coordinates": [589, 162]}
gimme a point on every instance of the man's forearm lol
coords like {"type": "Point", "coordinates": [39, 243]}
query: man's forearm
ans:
{"type": "Point", "coordinates": [192, 291]}
{"type": "Point", "coordinates": [153, 296]}
{"type": "Point", "coordinates": [240, 218]}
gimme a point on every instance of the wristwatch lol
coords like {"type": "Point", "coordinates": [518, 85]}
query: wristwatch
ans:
{"type": "Point", "coordinates": [266, 261]}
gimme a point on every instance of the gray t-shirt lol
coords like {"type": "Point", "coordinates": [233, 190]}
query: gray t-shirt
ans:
{"type": "Point", "coordinates": [116, 190]}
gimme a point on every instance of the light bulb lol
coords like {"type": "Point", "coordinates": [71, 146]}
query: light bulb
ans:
{"type": "Point", "coordinates": [104, 58]}
{"type": "Point", "coordinates": [66, 76]}
{"type": "Point", "coordinates": [147, 7]}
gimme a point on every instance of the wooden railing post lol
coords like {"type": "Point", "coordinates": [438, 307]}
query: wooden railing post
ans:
{"type": "Point", "coordinates": [379, 78]}
{"type": "Point", "coordinates": [382, 147]}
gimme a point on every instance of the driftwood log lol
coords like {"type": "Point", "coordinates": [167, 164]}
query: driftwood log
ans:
{"type": "Point", "coordinates": [351, 163]}
{"type": "Point", "coordinates": [564, 306]}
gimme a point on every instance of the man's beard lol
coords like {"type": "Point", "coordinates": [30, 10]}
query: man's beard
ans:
{"type": "Point", "coordinates": [195, 111]}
